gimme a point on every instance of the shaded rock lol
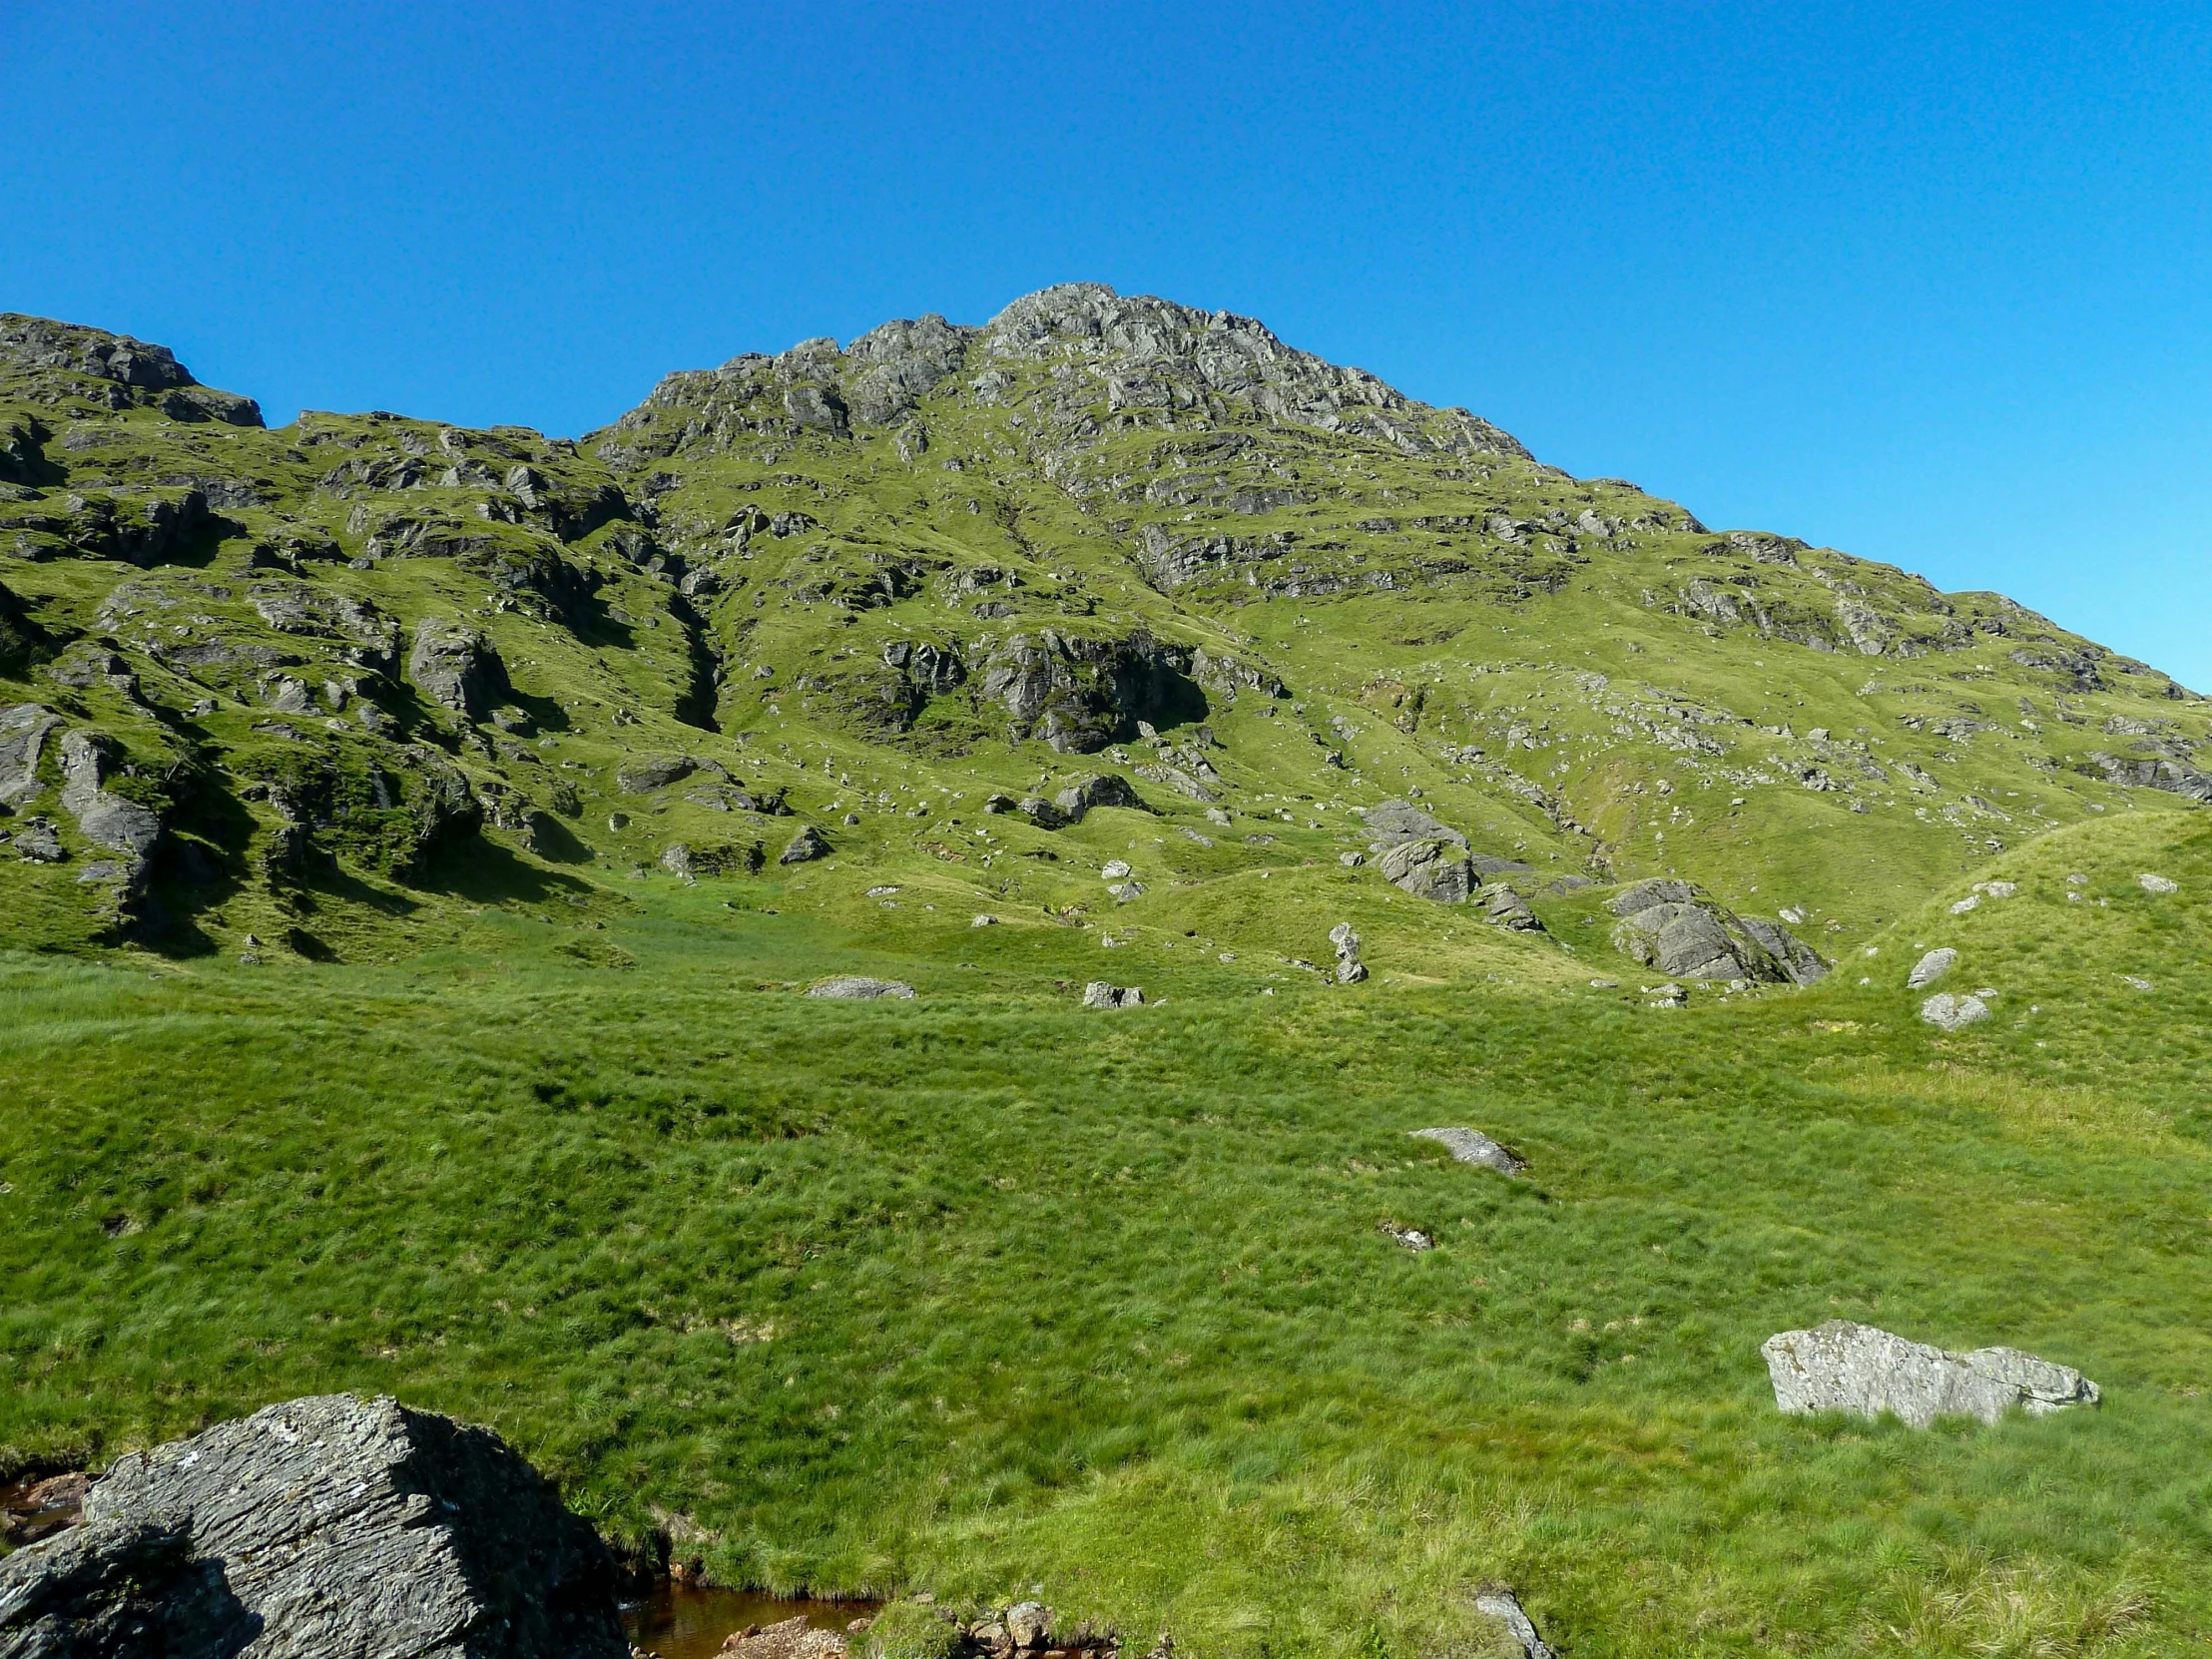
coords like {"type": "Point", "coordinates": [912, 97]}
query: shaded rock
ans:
{"type": "Point", "coordinates": [1029, 1623]}
{"type": "Point", "coordinates": [1041, 811]}
{"type": "Point", "coordinates": [1431, 868]}
{"type": "Point", "coordinates": [1505, 1607]}
{"type": "Point", "coordinates": [1471, 1146]}
{"type": "Point", "coordinates": [111, 821]}
{"type": "Point", "coordinates": [1095, 790]}
{"type": "Point", "coordinates": [643, 774]}
{"type": "Point", "coordinates": [1099, 994]}
{"type": "Point", "coordinates": [1930, 969]}
{"type": "Point", "coordinates": [326, 1528]}
{"type": "Point", "coordinates": [1079, 694]}
{"type": "Point", "coordinates": [1683, 932]}
{"type": "Point", "coordinates": [1845, 1366]}
{"type": "Point", "coordinates": [457, 667]}
{"type": "Point", "coordinates": [1953, 1013]}
{"type": "Point", "coordinates": [1507, 908]}
{"type": "Point", "coordinates": [675, 859]}
{"type": "Point", "coordinates": [810, 843]}
{"type": "Point", "coordinates": [855, 987]}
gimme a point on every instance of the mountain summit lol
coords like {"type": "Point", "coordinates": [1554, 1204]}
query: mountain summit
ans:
{"type": "Point", "coordinates": [1098, 543]}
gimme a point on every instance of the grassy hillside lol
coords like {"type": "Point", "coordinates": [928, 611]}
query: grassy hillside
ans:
{"type": "Point", "coordinates": [399, 989]}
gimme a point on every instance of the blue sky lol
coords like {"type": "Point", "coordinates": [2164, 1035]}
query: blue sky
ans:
{"type": "Point", "coordinates": [1928, 284]}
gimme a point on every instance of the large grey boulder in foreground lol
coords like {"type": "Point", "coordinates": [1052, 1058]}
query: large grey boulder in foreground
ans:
{"type": "Point", "coordinates": [326, 1528]}
{"type": "Point", "coordinates": [1841, 1367]}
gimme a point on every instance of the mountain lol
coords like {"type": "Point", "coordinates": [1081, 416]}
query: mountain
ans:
{"type": "Point", "coordinates": [255, 673]}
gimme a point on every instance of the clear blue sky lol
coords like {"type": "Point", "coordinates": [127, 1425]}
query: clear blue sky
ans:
{"type": "Point", "coordinates": [1929, 283]}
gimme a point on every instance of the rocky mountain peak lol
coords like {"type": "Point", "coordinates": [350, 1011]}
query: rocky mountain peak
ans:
{"type": "Point", "coordinates": [62, 356]}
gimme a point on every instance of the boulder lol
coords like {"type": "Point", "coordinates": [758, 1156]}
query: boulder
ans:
{"type": "Point", "coordinates": [1505, 1607]}
{"type": "Point", "coordinates": [1952, 1012]}
{"type": "Point", "coordinates": [1099, 994]}
{"type": "Point", "coordinates": [1687, 935]}
{"type": "Point", "coordinates": [457, 667]}
{"type": "Point", "coordinates": [1930, 969]}
{"type": "Point", "coordinates": [1408, 1237]}
{"type": "Point", "coordinates": [857, 988]}
{"type": "Point", "coordinates": [1079, 694]}
{"type": "Point", "coordinates": [1433, 869]}
{"type": "Point", "coordinates": [1507, 908]}
{"type": "Point", "coordinates": [1029, 1623]}
{"type": "Point", "coordinates": [329, 1527]}
{"type": "Point", "coordinates": [810, 843]}
{"type": "Point", "coordinates": [1350, 969]}
{"type": "Point", "coordinates": [1471, 1146]}
{"type": "Point", "coordinates": [1395, 821]}
{"type": "Point", "coordinates": [643, 774]}
{"type": "Point", "coordinates": [2157, 883]}
{"type": "Point", "coordinates": [1843, 1366]}
{"type": "Point", "coordinates": [1041, 811]}
{"type": "Point", "coordinates": [120, 824]}
{"type": "Point", "coordinates": [792, 1638]}
{"type": "Point", "coordinates": [1095, 790]}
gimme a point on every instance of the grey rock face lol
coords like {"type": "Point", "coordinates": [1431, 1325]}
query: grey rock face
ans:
{"type": "Point", "coordinates": [893, 367]}
{"type": "Point", "coordinates": [934, 670]}
{"type": "Point", "coordinates": [857, 988]}
{"type": "Point", "coordinates": [140, 372]}
{"type": "Point", "coordinates": [38, 844]}
{"type": "Point", "coordinates": [370, 638]}
{"type": "Point", "coordinates": [1079, 694]}
{"type": "Point", "coordinates": [1505, 1607]}
{"type": "Point", "coordinates": [1953, 1013]}
{"type": "Point", "coordinates": [1029, 1623]}
{"type": "Point", "coordinates": [1432, 869]}
{"type": "Point", "coordinates": [457, 667]}
{"type": "Point", "coordinates": [1930, 969]}
{"type": "Point", "coordinates": [1099, 994]}
{"type": "Point", "coordinates": [810, 843]}
{"type": "Point", "coordinates": [23, 733]}
{"type": "Point", "coordinates": [1507, 908]}
{"type": "Point", "coordinates": [1395, 821]}
{"type": "Point", "coordinates": [1678, 930]}
{"type": "Point", "coordinates": [326, 1528]}
{"type": "Point", "coordinates": [111, 821]}
{"type": "Point", "coordinates": [1844, 1367]}
{"type": "Point", "coordinates": [1471, 1146]}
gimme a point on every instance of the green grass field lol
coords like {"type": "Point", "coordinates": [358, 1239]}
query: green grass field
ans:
{"type": "Point", "coordinates": [983, 1290]}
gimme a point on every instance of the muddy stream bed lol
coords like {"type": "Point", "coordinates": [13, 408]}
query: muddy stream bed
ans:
{"type": "Point", "coordinates": [688, 1621]}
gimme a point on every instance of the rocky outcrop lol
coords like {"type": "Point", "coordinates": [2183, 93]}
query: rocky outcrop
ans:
{"type": "Point", "coordinates": [643, 774]}
{"type": "Point", "coordinates": [125, 826]}
{"type": "Point", "coordinates": [1471, 1146]}
{"type": "Point", "coordinates": [366, 638]}
{"type": "Point", "coordinates": [1844, 1367]}
{"type": "Point", "coordinates": [133, 371]}
{"type": "Point", "coordinates": [891, 368]}
{"type": "Point", "coordinates": [329, 1527]}
{"type": "Point", "coordinates": [1079, 694]}
{"type": "Point", "coordinates": [1508, 909]}
{"type": "Point", "coordinates": [806, 847]}
{"type": "Point", "coordinates": [1682, 931]}
{"type": "Point", "coordinates": [24, 730]}
{"type": "Point", "coordinates": [457, 667]}
{"type": "Point", "coordinates": [1099, 994]}
{"type": "Point", "coordinates": [1093, 788]}
{"type": "Point", "coordinates": [857, 988]}
{"type": "Point", "coordinates": [1431, 868]}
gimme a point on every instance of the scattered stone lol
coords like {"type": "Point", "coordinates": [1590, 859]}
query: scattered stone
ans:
{"type": "Point", "coordinates": [1193, 835]}
{"type": "Point", "coordinates": [1412, 1237]}
{"type": "Point", "coordinates": [675, 859]}
{"type": "Point", "coordinates": [983, 921]}
{"type": "Point", "coordinates": [1124, 891]}
{"type": "Point", "coordinates": [1930, 969]}
{"type": "Point", "coordinates": [1029, 1623]}
{"type": "Point", "coordinates": [1667, 996]}
{"type": "Point", "coordinates": [1099, 994]}
{"type": "Point", "coordinates": [1352, 860]}
{"type": "Point", "coordinates": [1845, 1366]}
{"type": "Point", "coordinates": [2157, 883]}
{"type": "Point", "coordinates": [1219, 817]}
{"type": "Point", "coordinates": [1505, 1606]}
{"type": "Point", "coordinates": [1041, 811]}
{"type": "Point", "coordinates": [643, 774]}
{"type": "Point", "coordinates": [37, 842]}
{"type": "Point", "coordinates": [792, 1638]}
{"type": "Point", "coordinates": [1605, 985]}
{"type": "Point", "coordinates": [1395, 821]}
{"type": "Point", "coordinates": [1971, 901]}
{"type": "Point", "coordinates": [855, 987]}
{"type": "Point", "coordinates": [810, 843]}
{"type": "Point", "coordinates": [1953, 1013]}
{"type": "Point", "coordinates": [1350, 969]}
{"type": "Point", "coordinates": [1471, 1146]}
{"type": "Point", "coordinates": [2138, 984]}
{"type": "Point", "coordinates": [1113, 869]}
{"type": "Point", "coordinates": [326, 1528]}
{"type": "Point", "coordinates": [2000, 890]}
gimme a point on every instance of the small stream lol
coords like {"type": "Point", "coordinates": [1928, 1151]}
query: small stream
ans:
{"type": "Point", "coordinates": [688, 1621]}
